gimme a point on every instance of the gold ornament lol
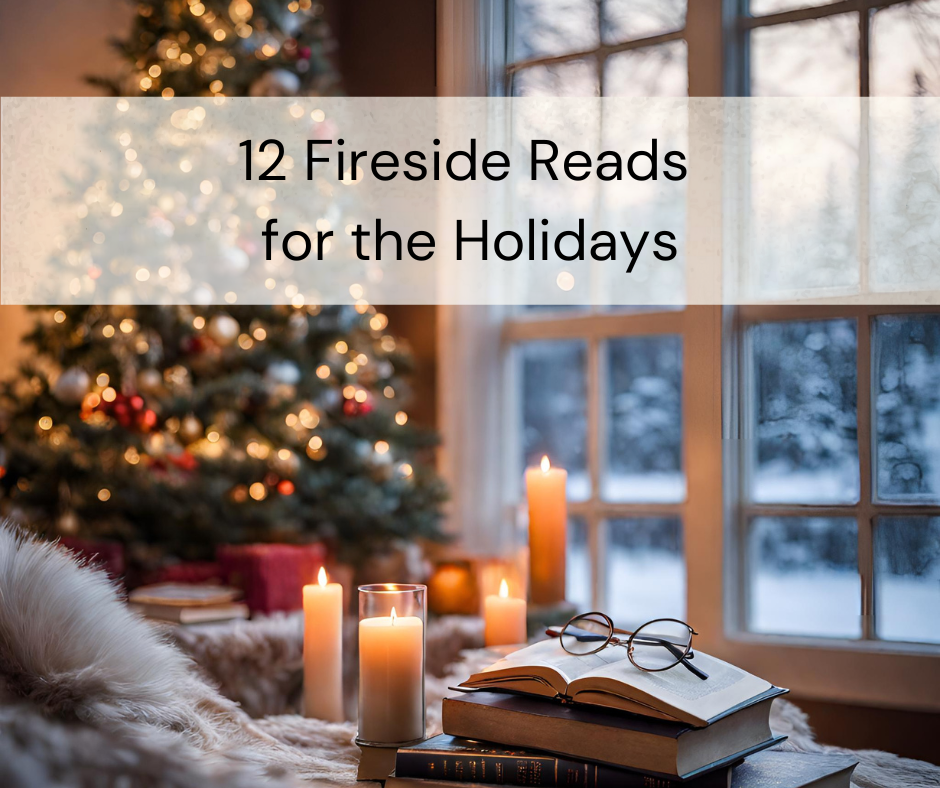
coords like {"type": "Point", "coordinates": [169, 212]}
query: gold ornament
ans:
{"type": "Point", "coordinates": [190, 429]}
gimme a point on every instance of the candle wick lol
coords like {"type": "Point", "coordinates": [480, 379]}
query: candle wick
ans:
{"type": "Point", "coordinates": [394, 616]}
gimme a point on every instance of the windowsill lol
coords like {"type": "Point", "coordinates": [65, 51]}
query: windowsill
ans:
{"type": "Point", "coordinates": [835, 644]}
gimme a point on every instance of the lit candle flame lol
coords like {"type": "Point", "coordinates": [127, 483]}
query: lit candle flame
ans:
{"type": "Point", "coordinates": [546, 465]}
{"type": "Point", "coordinates": [394, 616]}
{"type": "Point", "coordinates": [504, 589]}
{"type": "Point", "coordinates": [322, 578]}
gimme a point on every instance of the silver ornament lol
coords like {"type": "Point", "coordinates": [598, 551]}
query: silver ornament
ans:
{"type": "Point", "coordinates": [72, 386]}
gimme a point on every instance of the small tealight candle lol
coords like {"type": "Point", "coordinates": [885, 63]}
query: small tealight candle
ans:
{"type": "Point", "coordinates": [504, 618]}
{"type": "Point", "coordinates": [323, 650]}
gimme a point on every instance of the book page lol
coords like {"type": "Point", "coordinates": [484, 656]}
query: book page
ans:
{"type": "Point", "coordinates": [548, 654]}
{"type": "Point", "coordinates": [677, 690]}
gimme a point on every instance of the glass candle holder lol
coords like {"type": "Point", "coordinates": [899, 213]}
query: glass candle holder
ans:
{"type": "Point", "coordinates": [392, 619]}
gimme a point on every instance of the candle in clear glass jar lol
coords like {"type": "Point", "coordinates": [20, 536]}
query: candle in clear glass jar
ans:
{"type": "Point", "coordinates": [391, 673]}
{"type": "Point", "coordinates": [323, 650]}
{"type": "Point", "coordinates": [548, 526]}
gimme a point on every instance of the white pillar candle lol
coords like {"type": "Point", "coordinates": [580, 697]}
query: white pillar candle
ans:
{"type": "Point", "coordinates": [391, 679]}
{"type": "Point", "coordinates": [504, 618]}
{"type": "Point", "coordinates": [548, 526]}
{"type": "Point", "coordinates": [323, 650]}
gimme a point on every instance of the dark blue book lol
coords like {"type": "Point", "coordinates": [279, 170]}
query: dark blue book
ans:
{"type": "Point", "coordinates": [448, 759]}
{"type": "Point", "coordinates": [768, 769]}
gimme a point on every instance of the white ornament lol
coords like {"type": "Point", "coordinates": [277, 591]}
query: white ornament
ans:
{"type": "Point", "coordinates": [72, 386]}
{"type": "Point", "coordinates": [282, 373]}
{"type": "Point", "coordinates": [275, 83]}
{"type": "Point", "coordinates": [223, 329]}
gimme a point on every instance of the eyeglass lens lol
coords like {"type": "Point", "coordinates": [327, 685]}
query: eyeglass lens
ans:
{"type": "Point", "coordinates": [660, 644]}
{"type": "Point", "coordinates": [586, 634]}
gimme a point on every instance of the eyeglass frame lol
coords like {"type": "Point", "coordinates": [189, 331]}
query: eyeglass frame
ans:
{"type": "Point", "coordinates": [687, 655]}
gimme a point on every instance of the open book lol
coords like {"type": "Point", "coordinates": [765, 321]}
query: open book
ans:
{"type": "Point", "coordinates": [609, 679]}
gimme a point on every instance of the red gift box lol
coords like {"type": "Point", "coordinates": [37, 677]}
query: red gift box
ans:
{"type": "Point", "coordinates": [108, 556]}
{"type": "Point", "coordinates": [197, 572]}
{"type": "Point", "coordinates": [271, 576]}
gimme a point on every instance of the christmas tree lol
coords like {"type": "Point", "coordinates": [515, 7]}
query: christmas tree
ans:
{"type": "Point", "coordinates": [175, 428]}
{"type": "Point", "coordinates": [225, 47]}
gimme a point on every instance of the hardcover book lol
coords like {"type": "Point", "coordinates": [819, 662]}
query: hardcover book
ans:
{"type": "Point", "coordinates": [769, 769]}
{"type": "Point", "coordinates": [609, 679]}
{"type": "Point", "coordinates": [661, 747]}
{"type": "Point", "coordinates": [451, 760]}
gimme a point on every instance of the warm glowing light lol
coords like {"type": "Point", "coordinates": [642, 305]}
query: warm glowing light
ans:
{"type": "Point", "coordinates": [59, 316]}
{"type": "Point", "coordinates": [401, 418]}
{"type": "Point", "coordinates": [315, 443]}
{"type": "Point", "coordinates": [323, 372]}
{"type": "Point", "coordinates": [109, 394]}
{"type": "Point", "coordinates": [108, 331]}
{"type": "Point", "coordinates": [405, 469]}
{"type": "Point", "coordinates": [257, 491]}
{"type": "Point", "coordinates": [104, 494]}
{"type": "Point", "coordinates": [504, 589]}
{"type": "Point", "coordinates": [341, 347]}
{"type": "Point", "coordinates": [127, 326]}
{"type": "Point", "coordinates": [103, 379]}
{"type": "Point", "coordinates": [394, 615]}
{"type": "Point", "coordinates": [546, 465]}
{"type": "Point", "coordinates": [322, 578]}
{"type": "Point", "coordinates": [361, 395]}
{"type": "Point", "coordinates": [351, 367]}
{"type": "Point", "coordinates": [45, 423]}
{"type": "Point", "coordinates": [381, 447]}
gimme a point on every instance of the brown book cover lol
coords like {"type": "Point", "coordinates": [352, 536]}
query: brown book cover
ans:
{"type": "Point", "coordinates": [660, 747]}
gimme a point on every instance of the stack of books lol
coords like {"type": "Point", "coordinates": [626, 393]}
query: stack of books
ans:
{"type": "Point", "coordinates": [541, 717]}
{"type": "Point", "coordinates": [181, 603]}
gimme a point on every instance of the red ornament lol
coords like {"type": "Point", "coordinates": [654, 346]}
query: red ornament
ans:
{"type": "Point", "coordinates": [354, 408]}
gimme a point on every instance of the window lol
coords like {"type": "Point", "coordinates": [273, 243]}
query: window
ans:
{"type": "Point", "coordinates": [838, 482]}
{"type": "Point", "coordinates": [601, 393]}
{"type": "Point", "coordinates": [598, 48]}
{"type": "Point", "coordinates": [811, 555]}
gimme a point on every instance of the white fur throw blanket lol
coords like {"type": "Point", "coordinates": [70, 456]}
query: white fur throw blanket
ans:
{"type": "Point", "coordinates": [91, 695]}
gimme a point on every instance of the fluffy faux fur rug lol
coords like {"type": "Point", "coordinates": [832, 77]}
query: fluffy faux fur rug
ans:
{"type": "Point", "coordinates": [91, 695]}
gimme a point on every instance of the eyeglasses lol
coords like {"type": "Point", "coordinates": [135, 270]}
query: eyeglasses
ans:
{"type": "Point", "coordinates": [658, 645]}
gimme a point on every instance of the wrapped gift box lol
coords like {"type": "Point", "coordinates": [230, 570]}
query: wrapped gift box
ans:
{"type": "Point", "coordinates": [271, 576]}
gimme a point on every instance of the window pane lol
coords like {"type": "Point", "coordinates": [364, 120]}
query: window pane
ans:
{"type": "Point", "coordinates": [625, 20]}
{"type": "Point", "coordinates": [644, 417]}
{"type": "Point", "coordinates": [543, 28]}
{"type": "Point", "coordinates": [645, 570]}
{"type": "Point", "coordinates": [804, 421]}
{"type": "Point", "coordinates": [575, 79]}
{"type": "Point", "coordinates": [764, 7]}
{"type": "Point", "coordinates": [907, 579]}
{"type": "Point", "coordinates": [906, 50]}
{"type": "Point", "coordinates": [554, 409]}
{"type": "Point", "coordinates": [578, 568]}
{"type": "Point", "coordinates": [907, 407]}
{"type": "Point", "coordinates": [803, 576]}
{"type": "Point", "coordinates": [818, 57]}
{"type": "Point", "coordinates": [651, 71]}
